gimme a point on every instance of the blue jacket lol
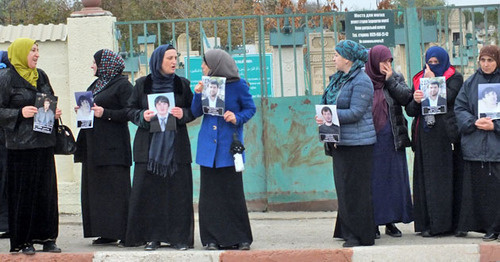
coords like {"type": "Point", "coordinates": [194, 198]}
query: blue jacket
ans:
{"type": "Point", "coordinates": [354, 110]}
{"type": "Point", "coordinates": [216, 135]}
{"type": "Point", "coordinates": [477, 144]}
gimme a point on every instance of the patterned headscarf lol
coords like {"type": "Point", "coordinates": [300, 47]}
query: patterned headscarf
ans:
{"type": "Point", "coordinates": [442, 56]}
{"type": "Point", "coordinates": [18, 53]}
{"type": "Point", "coordinates": [377, 54]}
{"type": "Point", "coordinates": [221, 64]}
{"type": "Point", "coordinates": [351, 51]}
{"type": "Point", "coordinates": [109, 65]}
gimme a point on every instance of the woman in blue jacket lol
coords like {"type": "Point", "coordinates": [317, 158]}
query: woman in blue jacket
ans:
{"type": "Point", "coordinates": [222, 208]}
{"type": "Point", "coordinates": [480, 210]}
{"type": "Point", "coordinates": [352, 91]}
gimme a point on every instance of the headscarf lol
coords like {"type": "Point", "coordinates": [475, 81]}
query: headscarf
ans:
{"type": "Point", "coordinates": [109, 65]}
{"type": "Point", "coordinates": [442, 56]}
{"type": "Point", "coordinates": [221, 64]}
{"type": "Point", "coordinates": [18, 55]}
{"type": "Point", "coordinates": [4, 59]}
{"type": "Point", "coordinates": [161, 82]}
{"type": "Point", "coordinates": [377, 54]}
{"type": "Point", "coordinates": [351, 51]}
{"type": "Point", "coordinates": [161, 149]}
{"type": "Point", "coordinates": [491, 51]}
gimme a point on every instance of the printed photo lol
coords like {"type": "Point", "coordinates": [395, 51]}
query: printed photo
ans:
{"type": "Point", "coordinates": [488, 104]}
{"type": "Point", "coordinates": [84, 115]}
{"type": "Point", "coordinates": [329, 131]}
{"type": "Point", "coordinates": [162, 104]}
{"type": "Point", "coordinates": [434, 101]}
{"type": "Point", "coordinates": [212, 100]}
{"type": "Point", "coordinates": [44, 119]}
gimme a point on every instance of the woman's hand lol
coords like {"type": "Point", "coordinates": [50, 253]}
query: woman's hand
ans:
{"type": "Point", "coordinates": [230, 117]}
{"type": "Point", "coordinates": [98, 110]}
{"type": "Point", "coordinates": [29, 111]}
{"type": "Point", "coordinates": [177, 112]}
{"type": "Point", "coordinates": [199, 87]}
{"type": "Point", "coordinates": [428, 72]}
{"type": "Point", "coordinates": [386, 69]}
{"type": "Point", "coordinates": [418, 95]}
{"type": "Point", "coordinates": [485, 123]}
{"type": "Point", "coordinates": [148, 114]}
{"type": "Point", "coordinates": [319, 121]}
{"type": "Point", "coordinates": [58, 113]}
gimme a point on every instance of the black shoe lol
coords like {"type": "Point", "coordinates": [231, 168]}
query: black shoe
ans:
{"type": "Point", "coordinates": [51, 247]}
{"type": "Point", "coordinates": [426, 233]}
{"type": "Point", "coordinates": [181, 247]}
{"type": "Point", "coordinates": [490, 236]}
{"type": "Point", "coordinates": [461, 233]}
{"type": "Point", "coordinates": [377, 233]}
{"type": "Point", "coordinates": [153, 245]}
{"type": "Point", "coordinates": [103, 240]}
{"type": "Point", "coordinates": [244, 246]}
{"type": "Point", "coordinates": [28, 250]}
{"type": "Point", "coordinates": [351, 243]}
{"type": "Point", "coordinates": [212, 246]}
{"type": "Point", "coordinates": [392, 230]}
{"type": "Point", "coordinates": [5, 235]}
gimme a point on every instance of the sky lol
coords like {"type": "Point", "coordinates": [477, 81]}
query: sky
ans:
{"type": "Point", "coordinates": [356, 5]}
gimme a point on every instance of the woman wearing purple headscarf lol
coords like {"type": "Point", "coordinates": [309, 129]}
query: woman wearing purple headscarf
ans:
{"type": "Point", "coordinates": [161, 202]}
{"type": "Point", "coordinates": [390, 182]}
{"type": "Point", "coordinates": [438, 160]}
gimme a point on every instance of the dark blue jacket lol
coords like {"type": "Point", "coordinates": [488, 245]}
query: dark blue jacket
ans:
{"type": "Point", "coordinates": [216, 135]}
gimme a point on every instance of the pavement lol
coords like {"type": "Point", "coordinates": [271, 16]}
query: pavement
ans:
{"type": "Point", "coordinates": [278, 236]}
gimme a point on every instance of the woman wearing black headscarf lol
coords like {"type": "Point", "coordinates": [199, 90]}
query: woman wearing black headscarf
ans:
{"type": "Point", "coordinates": [105, 153]}
{"type": "Point", "coordinates": [161, 203]}
{"type": "Point", "coordinates": [223, 213]}
{"type": "Point", "coordinates": [435, 140]}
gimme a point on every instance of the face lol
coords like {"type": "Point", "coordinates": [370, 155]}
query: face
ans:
{"type": "Point", "coordinates": [327, 116]}
{"type": "Point", "coordinates": [213, 89]}
{"type": "Point", "coordinates": [204, 69]}
{"type": "Point", "coordinates": [162, 108]}
{"type": "Point", "coordinates": [94, 67]}
{"type": "Point", "coordinates": [33, 57]}
{"type": "Point", "coordinates": [433, 90]}
{"type": "Point", "coordinates": [341, 63]}
{"type": "Point", "coordinates": [490, 98]}
{"type": "Point", "coordinates": [169, 61]}
{"type": "Point", "coordinates": [46, 105]}
{"type": "Point", "coordinates": [488, 64]}
{"type": "Point", "coordinates": [433, 61]}
{"type": "Point", "coordinates": [385, 65]}
{"type": "Point", "coordinates": [85, 105]}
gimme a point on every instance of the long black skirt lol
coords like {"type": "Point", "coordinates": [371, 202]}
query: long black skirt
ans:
{"type": "Point", "coordinates": [222, 207]}
{"type": "Point", "coordinates": [4, 205]}
{"type": "Point", "coordinates": [480, 210]}
{"type": "Point", "coordinates": [105, 198]}
{"type": "Point", "coordinates": [161, 209]}
{"type": "Point", "coordinates": [32, 191]}
{"type": "Point", "coordinates": [352, 170]}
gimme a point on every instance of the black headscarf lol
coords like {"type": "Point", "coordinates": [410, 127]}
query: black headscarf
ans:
{"type": "Point", "coordinates": [161, 149]}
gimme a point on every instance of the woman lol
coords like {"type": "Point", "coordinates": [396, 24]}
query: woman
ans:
{"type": "Point", "coordinates": [437, 164]}
{"type": "Point", "coordinates": [481, 151]}
{"type": "Point", "coordinates": [32, 182]}
{"type": "Point", "coordinates": [161, 203]}
{"type": "Point", "coordinates": [105, 153]}
{"type": "Point", "coordinates": [352, 91]}
{"type": "Point", "coordinates": [223, 213]}
{"type": "Point", "coordinates": [390, 182]}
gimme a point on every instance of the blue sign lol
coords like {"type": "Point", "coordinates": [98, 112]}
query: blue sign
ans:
{"type": "Point", "coordinates": [253, 72]}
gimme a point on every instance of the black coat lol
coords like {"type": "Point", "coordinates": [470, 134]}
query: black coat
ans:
{"type": "Point", "coordinates": [108, 142]}
{"type": "Point", "coordinates": [16, 93]}
{"type": "Point", "coordinates": [138, 103]}
{"type": "Point", "coordinates": [398, 94]}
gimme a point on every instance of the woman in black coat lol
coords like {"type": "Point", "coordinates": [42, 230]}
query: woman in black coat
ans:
{"type": "Point", "coordinates": [161, 204]}
{"type": "Point", "coordinates": [105, 153]}
{"type": "Point", "coordinates": [31, 171]}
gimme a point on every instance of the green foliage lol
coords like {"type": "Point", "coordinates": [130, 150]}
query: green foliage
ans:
{"type": "Point", "coordinates": [34, 11]}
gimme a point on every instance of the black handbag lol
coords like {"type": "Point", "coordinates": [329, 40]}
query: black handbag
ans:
{"type": "Point", "coordinates": [65, 142]}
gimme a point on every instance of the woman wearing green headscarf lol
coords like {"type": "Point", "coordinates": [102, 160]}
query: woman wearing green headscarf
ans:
{"type": "Point", "coordinates": [32, 183]}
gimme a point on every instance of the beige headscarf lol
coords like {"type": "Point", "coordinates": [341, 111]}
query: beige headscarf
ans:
{"type": "Point", "coordinates": [18, 55]}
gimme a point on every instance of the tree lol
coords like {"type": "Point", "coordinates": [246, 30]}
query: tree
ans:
{"type": "Point", "coordinates": [34, 11]}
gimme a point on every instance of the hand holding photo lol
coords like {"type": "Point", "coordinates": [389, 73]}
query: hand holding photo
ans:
{"type": "Point", "coordinates": [488, 100]}
{"type": "Point", "coordinates": [44, 119]}
{"type": "Point", "coordinates": [434, 101]}
{"type": "Point", "coordinates": [329, 131]}
{"type": "Point", "coordinates": [162, 104]}
{"type": "Point", "coordinates": [84, 115]}
{"type": "Point", "coordinates": [212, 99]}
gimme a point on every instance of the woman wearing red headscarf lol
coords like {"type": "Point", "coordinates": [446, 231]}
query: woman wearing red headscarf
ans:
{"type": "Point", "coordinates": [435, 140]}
{"type": "Point", "coordinates": [390, 182]}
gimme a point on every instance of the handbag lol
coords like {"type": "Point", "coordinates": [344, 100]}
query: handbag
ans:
{"type": "Point", "coordinates": [65, 141]}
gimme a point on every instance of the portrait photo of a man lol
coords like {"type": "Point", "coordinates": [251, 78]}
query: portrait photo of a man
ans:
{"type": "Point", "coordinates": [84, 113]}
{"type": "Point", "coordinates": [163, 120]}
{"type": "Point", "coordinates": [329, 131]}
{"type": "Point", "coordinates": [488, 104]}
{"type": "Point", "coordinates": [435, 95]}
{"type": "Point", "coordinates": [212, 100]}
{"type": "Point", "coordinates": [44, 119]}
